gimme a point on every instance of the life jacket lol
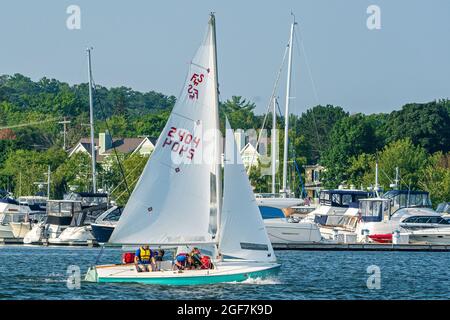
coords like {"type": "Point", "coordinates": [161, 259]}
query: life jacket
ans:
{"type": "Point", "coordinates": [145, 254]}
{"type": "Point", "coordinates": [128, 257]}
{"type": "Point", "coordinates": [206, 262]}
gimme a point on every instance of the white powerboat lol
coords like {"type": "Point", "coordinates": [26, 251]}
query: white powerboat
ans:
{"type": "Point", "coordinates": [60, 215]}
{"type": "Point", "coordinates": [397, 210]}
{"type": "Point", "coordinates": [13, 213]}
{"type": "Point", "coordinates": [283, 229]}
{"type": "Point", "coordinates": [337, 214]}
{"type": "Point", "coordinates": [439, 235]}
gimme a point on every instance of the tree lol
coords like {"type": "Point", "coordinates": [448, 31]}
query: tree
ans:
{"type": "Point", "coordinates": [74, 173]}
{"type": "Point", "coordinates": [349, 137]}
{"type": "Point", "coordinates": [239, 112]}
{"type": "Point", "coordinates": [26, 167]}
{"type": "Point", "coordinates": [435, 177]}
{"type": "Point", "coordinates": [425, 124]}
{"type": "Point", "coordinates": [315, 125]}
{"type": "Point", "coordinates": [409, 159]}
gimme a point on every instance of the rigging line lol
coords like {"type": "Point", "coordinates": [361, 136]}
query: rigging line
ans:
{"type": "Point", "coordinates": [316, 96]}
{"type": "Point", "coordinates": [269, 105]}
{"type": "Point", "coordinates": [29, 123]}
{"type": "Point", "coordinates": [129, 174]}
{"type": "Point", "coordinates": [114, 147]}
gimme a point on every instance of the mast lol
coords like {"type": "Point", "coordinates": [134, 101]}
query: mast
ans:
{"type": "Point", "coordinates": [218, 157]}
{"type": "Point", "coordinates": [376, 188]}
{"type": "Point", "coordinates": [274, 142]}
{"type": "Point", "coordinates": [91, 121]}
{"type": "Point", "coordinates": [286, 113]}
{"type": "Point", "coordinates": [48, 182]}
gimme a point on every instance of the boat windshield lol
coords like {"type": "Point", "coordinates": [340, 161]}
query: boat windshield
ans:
{"type": "Point", "coordinates": [374, 210]}
{"type": "Point", "coordinates": [406, 199]}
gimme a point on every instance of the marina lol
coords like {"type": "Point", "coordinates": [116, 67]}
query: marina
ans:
{"type": "Point", "coordinates": [238, 170]}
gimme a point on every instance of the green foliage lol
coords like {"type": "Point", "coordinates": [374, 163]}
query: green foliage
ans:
{"type": "Point", "coordinates": [347, 145]}
{"type": "Point", "coordinates": [426, 124]}
{"type": "Point", "coordinates": [315, 125]}
{"type": "Point", "coordinates": [27, 167]}
{"type": "Point", "coordinates": [435, 178]}
{"type": "Point", "coordinates": [409, 158]}
{"type": "Point", "coordinates": [349, 137]}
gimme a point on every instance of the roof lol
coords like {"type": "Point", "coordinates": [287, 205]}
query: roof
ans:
{"type": "Point", "coordinates": [122, 145]}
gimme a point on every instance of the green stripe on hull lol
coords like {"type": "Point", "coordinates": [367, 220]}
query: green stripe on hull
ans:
{"type": "Point", "coordinates": [197, 280]}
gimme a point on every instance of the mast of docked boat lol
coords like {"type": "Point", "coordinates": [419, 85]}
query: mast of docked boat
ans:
{"type": "Point", "coordinates": [274, 142]}
{"type": "Point", "coordinates": [376, 188]}
{"type": "Point", "coordinates": [218, 155]}
{"type": "Point", "coordinates": [91, 121]}
{"type": "Point", "coordinates": [286, 113]}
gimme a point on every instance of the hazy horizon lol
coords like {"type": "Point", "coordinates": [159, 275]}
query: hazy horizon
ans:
{"type": "Point", "coordinates": [146, 46]}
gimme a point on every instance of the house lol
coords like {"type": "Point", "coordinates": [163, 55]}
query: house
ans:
{"type": "Point", "coordinates": [313, 184]}
{"type": "Point", "coordinates": [105, 145]}
{"type": "Point", "coordinates": [250, 155]}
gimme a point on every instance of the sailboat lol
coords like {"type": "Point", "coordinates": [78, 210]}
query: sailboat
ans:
{"type": "Point", "coordinates": [178, 199]}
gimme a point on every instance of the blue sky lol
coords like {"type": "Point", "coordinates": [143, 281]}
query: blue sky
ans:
{"type": "Point", "coordinates": [146, 45]}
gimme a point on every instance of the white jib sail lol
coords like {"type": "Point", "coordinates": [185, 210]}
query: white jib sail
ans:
{"type": "Point", "coordinates": [172, 200]}
{"type": "Point", "coordinates": [243, 234]}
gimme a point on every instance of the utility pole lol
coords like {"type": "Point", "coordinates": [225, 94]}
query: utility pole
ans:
{"type": "Point", "coordinates": [91, 121]}
{"type": "Point", "coordinates": [64, 123]}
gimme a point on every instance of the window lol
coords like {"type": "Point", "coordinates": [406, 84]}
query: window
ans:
{"type": "Point", "coordinates": [346, 199]}
{"type": "Point", "coordinates": [411, 220]}
{"type": "Point", "coordinates": [435, 219]}
{"type": "Point", "coordinates": [423, 219]}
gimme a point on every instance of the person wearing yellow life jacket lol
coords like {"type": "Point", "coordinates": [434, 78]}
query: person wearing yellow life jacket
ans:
{"type": "Point", "coordinates": [144, 259]}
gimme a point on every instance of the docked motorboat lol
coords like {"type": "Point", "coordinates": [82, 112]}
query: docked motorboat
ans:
{"type": "Point", "coordinates": [282, 228]}
{"type": "Point", "coordinates": [12, 213]}
{"type": "Point", "coordinates": [440, 235]}
{"type": "Point", "coordinates": [59, 217]}
{"type": "Point", "coordinates": [397, 210]}
{"type": "Point", "coordinates": [35, 214]}
{"type": "Point", "coordinates": [337, 213]}
{"type": "Point", "coordinates": [104, 225]}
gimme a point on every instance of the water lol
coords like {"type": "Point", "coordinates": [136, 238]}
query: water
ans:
{"type": "Point", "coordinates": [41, 273]}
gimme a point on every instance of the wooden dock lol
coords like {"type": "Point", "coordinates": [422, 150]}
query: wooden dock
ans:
{"type": "Point", "coordinates": [360, 247]}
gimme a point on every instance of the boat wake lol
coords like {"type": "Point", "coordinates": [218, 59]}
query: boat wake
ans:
{"type": "Point", "coordinates": [258, 281]}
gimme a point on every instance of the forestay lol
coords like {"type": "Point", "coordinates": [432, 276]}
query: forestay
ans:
{"type": "Point", "coordinates": [171, 202]}
{"type": "Point", "coordinates": [243, 234]}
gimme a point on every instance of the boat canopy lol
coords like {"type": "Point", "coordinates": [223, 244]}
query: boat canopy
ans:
{"type": "Point", "coordinates": [342, 198]}
{"type": "Point", "coordinates": [408, 198]}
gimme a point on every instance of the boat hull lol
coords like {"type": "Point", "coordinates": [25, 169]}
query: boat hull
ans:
{"type": "Point", "coordinates": [280, 231]}
{"type": "Point", "coordinates": [224, 273]}
{"type": "Point", "coordinates": [102, 233]}
{"type": "Point", "coordinates": [20, 229]}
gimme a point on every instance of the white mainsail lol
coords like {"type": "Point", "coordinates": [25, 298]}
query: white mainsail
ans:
{"type": "Point", "coordinates": [175, 199]}
{"type": "Point", "coordinates": [243, 233]}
